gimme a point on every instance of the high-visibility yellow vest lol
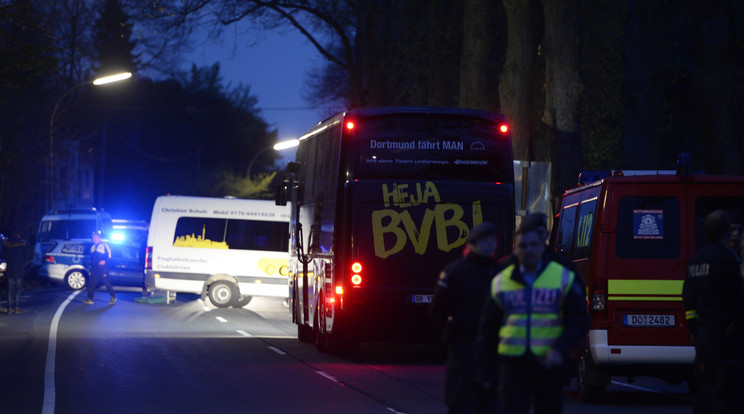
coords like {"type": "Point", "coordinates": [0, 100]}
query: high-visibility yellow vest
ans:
{"type": "Point", "coordinates": [533, 316]}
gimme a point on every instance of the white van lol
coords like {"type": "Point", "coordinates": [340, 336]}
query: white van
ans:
{"type": "Point", "coordinates": [225, 248]}
{"type": "Point", "coordinates": [67, 225]}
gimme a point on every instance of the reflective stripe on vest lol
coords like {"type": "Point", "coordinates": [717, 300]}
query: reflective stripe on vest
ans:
{"type": "Point", "coordinates": [533, 314]}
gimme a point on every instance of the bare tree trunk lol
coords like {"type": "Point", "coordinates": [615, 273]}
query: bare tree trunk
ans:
{"type": "Point", "coordinates": [476, 46]}
{"type": "Point", "coordinates": [563, 87]}
{"type": "Point", "coordinates": [514, 85]}
{"type": "Point", "coordinates": [716, 77]}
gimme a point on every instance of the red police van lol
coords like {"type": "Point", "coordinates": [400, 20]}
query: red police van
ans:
{"type": "Point", "coordinates": [631, 236]}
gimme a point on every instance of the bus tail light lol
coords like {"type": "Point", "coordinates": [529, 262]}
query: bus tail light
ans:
{"type": "Point", "coordinates": [356, 277]}
{"type": "Point", "coordinates": [350, 125]}
{"type": "Point", "coordinates": [503, 128]}
{"type": "Point", "coordinates": [148, 258]}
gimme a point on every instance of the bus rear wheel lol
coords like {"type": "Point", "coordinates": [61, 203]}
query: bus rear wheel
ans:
{"type": "Point", "coordinates": [223, 294]}
{"type": "Point", "coordinates": [319, 328]}
{"type": "Point", "coordinates": [304, 331]}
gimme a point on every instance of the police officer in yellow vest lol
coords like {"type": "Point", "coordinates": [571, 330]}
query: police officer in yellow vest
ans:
{"type": "Point", "coordinates": [536, 315]}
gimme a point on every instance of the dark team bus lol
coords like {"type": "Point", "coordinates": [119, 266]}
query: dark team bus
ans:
{"type": "Point", "coordinates": [382, 199]}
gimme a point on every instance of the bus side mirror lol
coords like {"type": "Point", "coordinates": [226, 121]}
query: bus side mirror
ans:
{"type": "Point", "coordinates": [280, 195]}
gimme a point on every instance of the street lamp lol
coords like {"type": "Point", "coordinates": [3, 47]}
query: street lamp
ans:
{"type": "Point", "coordinates": [291, 143]}
{"type": "Point", "coordinates": [98, 81]}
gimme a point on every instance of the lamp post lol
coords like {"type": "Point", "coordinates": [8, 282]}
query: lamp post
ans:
{"type": "Point", "coordinates": [97, 81]}
{"type": "Point", "coordinates": [291, 143]}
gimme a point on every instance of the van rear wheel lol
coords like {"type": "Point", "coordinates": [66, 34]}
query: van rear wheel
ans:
{"type": "Point", "coordinates": [223, 294]}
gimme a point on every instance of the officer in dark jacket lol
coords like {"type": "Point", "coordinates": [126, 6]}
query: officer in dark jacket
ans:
{"type": "Point", "coordinates": [535, 317]}
{"type": "Point", "coordinates": [456, 308]}
{"type": "Point", "coordinates": [15, 254]}
{"type": "Point", "coordinates": [713, 299]}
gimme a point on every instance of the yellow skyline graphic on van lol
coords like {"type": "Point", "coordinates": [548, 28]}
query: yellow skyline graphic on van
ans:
{"type": "Point", "coordinates": [191, 240]}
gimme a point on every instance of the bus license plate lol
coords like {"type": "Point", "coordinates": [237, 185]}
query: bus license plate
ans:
{"type": "Point", "coordinates": [421, 298]}
{"type": "Point", "coordinates": [648, 320]}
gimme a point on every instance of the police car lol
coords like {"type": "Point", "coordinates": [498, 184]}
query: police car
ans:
{"type": "Point", "coordinates": [68, 262]}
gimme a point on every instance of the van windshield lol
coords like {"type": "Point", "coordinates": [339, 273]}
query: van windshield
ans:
{"type": "Point", "coordinates": [66, 229]}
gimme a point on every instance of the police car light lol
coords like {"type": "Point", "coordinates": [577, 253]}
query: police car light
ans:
{"type": "Point", "coordinates": [118, 237]}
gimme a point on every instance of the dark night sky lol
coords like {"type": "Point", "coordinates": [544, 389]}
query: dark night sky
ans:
{"type": "Point", "coordinates": [274, 64]}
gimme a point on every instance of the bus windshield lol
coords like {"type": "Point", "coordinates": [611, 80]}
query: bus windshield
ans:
{"type": "Point", "coordinates": [438, 148]}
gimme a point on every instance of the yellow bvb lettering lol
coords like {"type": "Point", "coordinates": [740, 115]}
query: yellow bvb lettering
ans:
{"type": "Point", "coordinates": [379, 230]}
{"type": "Point", "coordinates": [443, 223]}
{"type": "Point", "coordinates": [443, 217]}
{"type": "Point", "coordinates": [430, 190]}
{"type": "Point", "coordinates": [400, 197]}
{"type": "Point", "coordinates": [419, 238]}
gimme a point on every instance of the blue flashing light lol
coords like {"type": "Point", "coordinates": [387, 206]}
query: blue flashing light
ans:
{"type": "Point", "coordinates": [118, 237]}
{"type": "Point", "coordinates": [586, 177]}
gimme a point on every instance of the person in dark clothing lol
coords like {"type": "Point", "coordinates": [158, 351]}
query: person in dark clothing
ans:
{"type": "Point", "coordinates": [535, 317]}
{"type": "Point", "coordinates": [713, 298]}
{"type": "Point", "coordinates": [15, 254]}
{"type": "Point", "coordinates": [456, 308]}
{"type": "Point", "coordinates": [100, 254]}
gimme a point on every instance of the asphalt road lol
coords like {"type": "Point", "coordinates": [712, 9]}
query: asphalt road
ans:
{"type": "Point", "coordinates": [189, 357]}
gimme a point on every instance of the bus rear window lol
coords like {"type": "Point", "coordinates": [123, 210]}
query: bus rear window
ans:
{"type": "Point", "coordinates": [648, 228]}
{"type": "Point", "coordinates": [442, 148]}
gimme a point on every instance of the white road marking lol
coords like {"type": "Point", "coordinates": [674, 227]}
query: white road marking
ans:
{"type": "Point", "coordinates": [49, 389]}
{"type": "Point", "coordinates": [221, 319]}
{"type": "Point", "coordinates": [636, 387]}
{"type": "Point", "coordinates": [277, 350]}
{"type": "Point", "coordinates": [328, 376]}
{"type": "Point", "coordinates": [396, 412]}
{"type": "Point", "coordinates": [244, 333]}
